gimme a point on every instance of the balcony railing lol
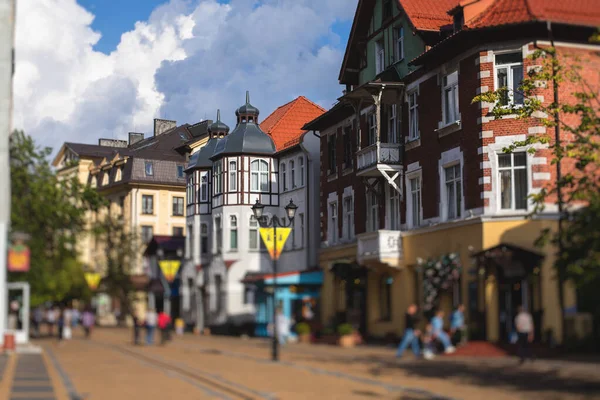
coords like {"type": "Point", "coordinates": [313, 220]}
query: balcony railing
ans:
{"type": "Point", "coordinates": [380, 247]}
{"type": "Point", "coordinates": [379, 153]}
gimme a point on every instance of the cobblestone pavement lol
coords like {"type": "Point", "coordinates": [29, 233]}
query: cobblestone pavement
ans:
{"type": "Point", "coordinates": [193, 367]}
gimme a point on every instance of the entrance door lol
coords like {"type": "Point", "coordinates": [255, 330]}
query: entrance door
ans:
{"type": "Point", "coordinates": [18, 310]}
{"type": "Point", "coordinates": [511, 296]}
{"type": "Point", "coordinates": [356, 303]}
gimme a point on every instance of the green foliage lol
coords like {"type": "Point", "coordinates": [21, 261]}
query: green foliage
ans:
{"type": "Point", "coordinates": [303, 328]}
{"type": "Point", "coordinates": [53, 212]}
{"type": "Point", "coordinates": [345, 329]}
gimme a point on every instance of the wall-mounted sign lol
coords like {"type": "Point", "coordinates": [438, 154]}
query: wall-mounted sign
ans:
{"type": "Point", "coordinates": [169, 269]}
{"type": "Point", "coordinates": [92, 279]}
{"type": "Point", "coordinates": [18, 258]}
{"type": "Point", "coordinates": [275, 245]}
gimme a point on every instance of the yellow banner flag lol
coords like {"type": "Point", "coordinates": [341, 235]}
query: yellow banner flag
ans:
{"type": "Point", "coordinates": [275, 246]}
{"type": "Point", "coordinates": [169, 269]}
{"type": "Point", "coordinates": [92, 279]}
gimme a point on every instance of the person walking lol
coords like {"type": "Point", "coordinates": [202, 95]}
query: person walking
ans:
{"type": "Point", "coordinates": [151, 320]}
{"type": "Point", "coordinates": [437, 324]}
{"type": "Point", "coordinates": [38, 319]}
{"type": "Point", "coordinates": [137, 328]}
{"type": "Point", "coordinates": [51, 315]}
{"type": "Point", "coordinates": [88, 321]}
{"type": "Point", "coordinates": [457, 324]}
{"type": "Point", "coordinates": [525, 329]}
{"type": "Point", "coordinates": [67, 323]}
{"type": "Point", "coordinates": [283, 326]}
{"type": "Point", "coordinates": [411, 334]}
{"type": "Point", "coordinates": [164, 322]}
{"type": "Point", "coordinates": [61, 324]}
{"type": "Point", "coordinates": [75, 317]}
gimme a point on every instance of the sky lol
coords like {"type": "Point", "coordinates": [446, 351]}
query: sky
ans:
{"type": "Point", "coordinates": [90, 69]}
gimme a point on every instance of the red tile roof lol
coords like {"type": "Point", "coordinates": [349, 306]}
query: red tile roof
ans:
{"type": "Point", "coordinates": [506, 12]}
{"type": "Point", "coordinates": [428, 15]}
{"type": "Point", "coordinates": [285, 123]}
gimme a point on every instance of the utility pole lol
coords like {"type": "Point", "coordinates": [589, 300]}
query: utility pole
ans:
{"type": "Point", "coordinates": [7, 40]}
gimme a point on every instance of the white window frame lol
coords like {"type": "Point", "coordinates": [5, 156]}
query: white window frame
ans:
{"type": "Point", "coordinates": [349, 217]}
{"type": "Point", "coordinates": [144, 208]}
{"type": "Point", "coordinates": [393, 208]}
{"type": "Point", "coordinates": [218, 225]}
{"type": "Point", "coordinates": [379, 56]}
{"type": "Point", "coordinates": [233, 228]}
{"type": "Point", "coordinates": [253, 225]}
{"type": "Point", "coordinates": [510, 75]}
{"type": "Point", "coordinates": [372, 128]}
{"type": "Point", "coordinates": [283, 173]}
{"type": "Point", "coordinates": [333, 221]}
{"type": "Point", "coordinates": [393, 136]}
{"type": "Point", "coordinates": [190, 195]}
{"type": "Point", "coordinates": [399, 43]}
{"type": "Point", "coordinates": [454, 115]}
{"type": "Point", "coordinates": [173, 199]}
{"type": "Point", "coordinates": [292, 174]}
{"type": "Point", "coordinates": [372, 211]}
{"type": "Point", "coordinates": [149, 171]}
{"type": "Point", "coordinates": [410, 206]}
{"type": "Point", "coordinates": [413, 114]}
{"type": "Point", "coordinates": [458, 195]}
{"type": "Point", "coordinates": [203, 187]}
{"type": "Point", "coordinates": [260, 176]}
{"type": "Point", "coordinates": [218, 177]}
{"type": "Point", "coordinates": [301, 162]}
{"type": "Point", "coordinates": [233, 176]}
{"type": "Point", "coordinates": [526, 167]}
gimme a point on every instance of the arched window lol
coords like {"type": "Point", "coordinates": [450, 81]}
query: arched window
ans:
{"type": "Point", "coordinates": [301, 162]}
{"type": "Point", "coordinates": [259, 176]}
{"type": "Point", "coordinates": [283, 177]}
{"type": "Point", "coordinates": [292, 174]}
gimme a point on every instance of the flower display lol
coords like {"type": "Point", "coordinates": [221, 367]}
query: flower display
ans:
{"type": "Point", "coordinates": [439, 275]}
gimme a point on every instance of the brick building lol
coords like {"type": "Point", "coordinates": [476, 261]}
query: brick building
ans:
{"type": "Point", "coordinates": [418, 201]}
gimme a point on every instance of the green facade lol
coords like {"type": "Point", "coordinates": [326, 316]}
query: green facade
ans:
{"type": "Point", "coordinates": [413, 45]}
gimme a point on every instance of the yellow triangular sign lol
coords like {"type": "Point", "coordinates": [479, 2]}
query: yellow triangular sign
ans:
{"type": "Point", "coordinates": [92, 279]}
{"type": "Point", "coordinates": [267, 237]}
{"type": "Point", "coordinates": [169, 269]}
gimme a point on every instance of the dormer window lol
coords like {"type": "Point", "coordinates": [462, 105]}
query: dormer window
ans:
{"type": "Point", "coordinates": [118, 175]}
{"type": "Point", "coordinates": [459, 20]}
{"type": "Point", "coordinates": [180, 173]}
{"type": "Point", "coordinates": [149, 168]}
{"type": "Point", "coordinates": [105, 178]}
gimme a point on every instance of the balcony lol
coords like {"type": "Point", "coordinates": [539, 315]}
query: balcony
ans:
{"type": "Point", "coordinates": [379, 248]}
{"type": "Point", "coordinates": [379, 157]}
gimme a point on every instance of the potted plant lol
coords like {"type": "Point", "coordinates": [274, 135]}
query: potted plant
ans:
{"type": "Point", "coordinates": [303, 331]}
{"type": "Point", "coordinates": [346, 335]}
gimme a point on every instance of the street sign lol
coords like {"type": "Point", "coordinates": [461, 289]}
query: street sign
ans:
{"type": "Point", "coordinates": [275, 247]}
{"type": "Point", "coordinates": [92, 279]}
{"type": "Point", "coordinates": [169, 269]}
{"type": "Point", "coordinates": [18, 258]}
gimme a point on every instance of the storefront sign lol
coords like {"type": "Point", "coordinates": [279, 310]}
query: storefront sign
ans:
{"type": "Point", "coordinates": [18, 258]}
{"type": "Point", "coordinates": [92, 279]}
{"type": "Point", "coordinates": [275, 246]}
{"type": "Point", "coordinates": [169, 269]}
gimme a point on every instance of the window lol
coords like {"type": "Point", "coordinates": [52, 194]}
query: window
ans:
{"type": "Point", "coordinates": [333, 221]}
{"type": "Point", "coordinates": [415, 198]}
{"type": "Point", "coordinates": [372, 211]}
{"type": "Point", "coordinates": [372, 122]}
{"type": "Point", "coordinates": [149, 168]}
{"type": "Point", "coordinates": [177, 231]}
{"type": "Point", "coordinates": [220, 293]}
{"type": "Point", "coordinates": [204, 238]}
{"type": "Point", "coordinates": [379, 57]}
{"type": "Point", "coordinates": [413, 116]}
{"type": "Point", "coordinates": [178, 206]}
{"type": "Point", "coordinates": [509, 75]}
{"type": "Point", "coordinates": [147, 234]}
{"type": "Point", "coordinates": [399, 44]}
{"type": "Point", "coordinates": [180, 173]}
{"type": "Point", "coordinates": [232, 176]}
{"type": "Point", "coordinates": [248, 295]}
{"type": "Point", "coordinates": [301, 218]}
{"type": "Point", "coordinates": [450, 98]}
{"type": "Point", "coordinates": [147, 204]}
{"type": "Point", "coordinates": [453, 191]}
{"type": "Point", "coordinates": [331, 154]}
{"type": "Point", "coordinates": [394, 209]}
{"type": "Point", "coordinates": [105, 176]}
{"type": "Point", "coordinates": [301, 162]}
{"type": "Point", "coordinates": [386, 9]}
{"type": "Point", "coordinates": [254, 233]}
{"type": "Point", "coordinates": [219, 234]}
{"type": "Point", "coordinates": [233, 233]}
{"type": "Point", "coordinates": [259, 171]}
{"type": "Point", "coordinates": [190, 189]}
{"type": "Point", "coordinates": [119, 174]}
{"type": "Point", "coordinates": [203, 186]}
{"type": "Point", "coordinates": [349, 217]}
{"type": "Point", "coordinates": [512, 171]}
{"type": "Point", "coordinates": [218, 177]}
{"type": "Point", "coordinates": [347, 146]}
{"type": "Point", "coordinates": [385, 299]}
{"type": "Point", "coordinates": [283, 177]}
{"type": "Point", "coordinates": [292, 174]}
{"type": "Point", "coordinates": [393, 136]}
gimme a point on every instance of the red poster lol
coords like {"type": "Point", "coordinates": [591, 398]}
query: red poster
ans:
{"type": "Point", "coordinates": [18, 258]}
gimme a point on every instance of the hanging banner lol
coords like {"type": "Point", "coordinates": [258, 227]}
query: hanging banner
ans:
{"type": "Point", "coordinates": [18, 258]}
{"type": "Point", "coordinates": [92, 279]}
{"type": "Point", "coordinates": [169, 269]}
{"type": "Point", "coordinates": [275, 247]}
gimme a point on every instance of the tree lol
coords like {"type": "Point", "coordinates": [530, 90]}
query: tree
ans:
{"type": "Point", "coordinates": [53, 212]}
{"type": "Point", "coordinates": [573, 118]}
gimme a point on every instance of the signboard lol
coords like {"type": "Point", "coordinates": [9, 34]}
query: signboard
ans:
{"type": "Point", "coordinates": [18, 258]}
{"type": "Point", "coordinates": [92, 279]}
{"type": "Point", "coordinates": [275, 245]}
{"type": "Point", "coordinates": [169, 269]}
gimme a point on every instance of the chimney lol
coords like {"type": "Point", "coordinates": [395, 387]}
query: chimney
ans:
{"type": "Point", "coordinates": [163, 125]}
{"type": "Point", "coordinates": [135, 137]}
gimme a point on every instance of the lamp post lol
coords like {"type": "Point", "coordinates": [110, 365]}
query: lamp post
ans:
{"type": "Point", "coordinates": [275, 222]}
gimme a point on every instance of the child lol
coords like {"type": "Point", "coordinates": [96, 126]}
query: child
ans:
{"type": "Point", "coordinates": [428, 343]}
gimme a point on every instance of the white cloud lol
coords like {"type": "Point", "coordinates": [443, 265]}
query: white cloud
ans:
{"type": "Point", "coordinates": [183, 63]}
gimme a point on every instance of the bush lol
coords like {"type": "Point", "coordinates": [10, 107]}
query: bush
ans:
{"type": "Point", "coordinates": [303, 328]}
{"type": "Point", "coordinates": [345, 329]}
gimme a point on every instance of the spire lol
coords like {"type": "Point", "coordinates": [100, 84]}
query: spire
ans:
{"type": "Point", "coordinates": [247, 97]}
{"type": "Point", "coordinates": [247, 112]}
{"type": "Point", "coordinates": [218, 128]}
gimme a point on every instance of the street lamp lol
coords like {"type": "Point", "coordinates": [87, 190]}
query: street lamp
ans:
{"type": "Point", "coordinates": [275, 222]}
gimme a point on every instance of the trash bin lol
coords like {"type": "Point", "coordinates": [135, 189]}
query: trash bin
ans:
{"type": "Point", "coordinates": [9, 341]}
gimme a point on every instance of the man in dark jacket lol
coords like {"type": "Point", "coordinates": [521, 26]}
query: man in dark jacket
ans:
{"type": "Point", "coordinates": [411, 333]}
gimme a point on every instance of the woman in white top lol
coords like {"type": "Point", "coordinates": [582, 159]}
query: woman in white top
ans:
{"type": "Point", "coordinates": [283, 326]}
{"type": "Point", "coordinates": [67, 332]}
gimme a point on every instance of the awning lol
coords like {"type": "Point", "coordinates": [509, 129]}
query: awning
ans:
{"type": "Point", "coordinates": [312, 276]}
{"type": "Point", "coordinates": [510, 261]}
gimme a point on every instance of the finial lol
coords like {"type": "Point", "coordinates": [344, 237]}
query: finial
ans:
{"type": "Point", "coordinates": [218, 114]}
{"type": "Point", "coordinates": [247, 97]}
